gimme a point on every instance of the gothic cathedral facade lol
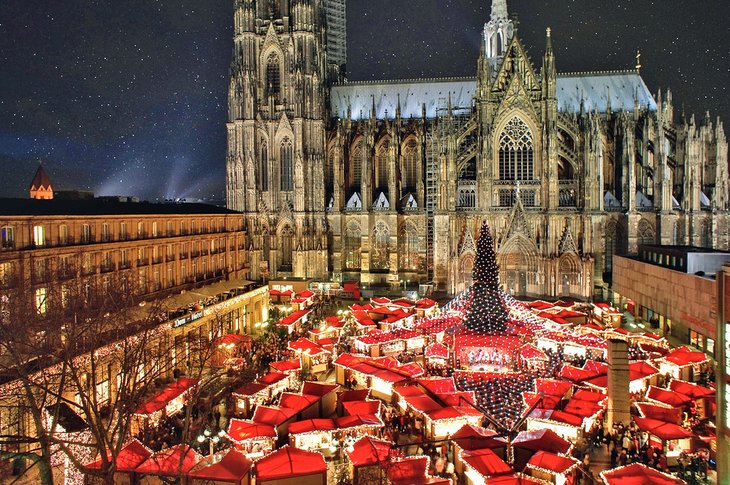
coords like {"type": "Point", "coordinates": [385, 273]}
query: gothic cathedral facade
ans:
{"type": "Point", "coordinates": [388, 182]}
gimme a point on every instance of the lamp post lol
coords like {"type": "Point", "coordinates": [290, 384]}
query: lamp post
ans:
{"type": "Point", "coordinates": [212, 439]}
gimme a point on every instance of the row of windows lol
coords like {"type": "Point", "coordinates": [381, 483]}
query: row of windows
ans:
{"type": "Point", "coordinates": [408, 254]}
{"type": "Point", "coordinates": [409, 168]}
{"type": "Point", "coordinates": [40, 236]}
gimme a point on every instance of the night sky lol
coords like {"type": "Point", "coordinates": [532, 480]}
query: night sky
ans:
{"type": "Point", "coordinates": [129, 96]}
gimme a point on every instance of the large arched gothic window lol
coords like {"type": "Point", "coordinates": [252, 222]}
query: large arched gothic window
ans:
{"type": "Point", "coordinates": [356, 162]}
{"type": "Point", "coordinates": [516, 151]}
{"type": "Point", "coordinates": [273, 77]}
{"type": "Point", "coordinates": [409, 247]}
{"type": "Point", "coordinates": [352, 246]}
{"type": "Point", "coordinates": [287, 240]}
{"type": "Point", "coordinates": [381, 161]}
{"type": "Point", "coordinates": [264, 166]}
{"type": "Point", "coordinates": [380, 254]}
{"type": "Point", "coordinates": [408, 173]}
{"type": "Point", "coordinates": [286, 156]}
{"type": "Point", "coordinates": [645, 233]}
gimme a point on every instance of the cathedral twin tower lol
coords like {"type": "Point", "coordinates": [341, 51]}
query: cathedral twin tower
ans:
{"type": "Point", "coordinates": [388, 182]}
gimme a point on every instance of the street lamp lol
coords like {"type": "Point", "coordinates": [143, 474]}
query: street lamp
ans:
{"type": "Point", "coordinates": [212, 439]}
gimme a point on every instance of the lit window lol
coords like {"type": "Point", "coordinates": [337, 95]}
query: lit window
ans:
{"type": "Point", "coordinates": [6, 235]}
{"type": "Point", "coordinates": [39, 236]}
{"type": "Point", "coordinates": [63, 234]}
{"type": "Point", "coordinates": [41, 303]}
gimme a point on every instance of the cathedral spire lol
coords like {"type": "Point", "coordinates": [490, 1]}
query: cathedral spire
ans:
{"type": "Point", "coordinates": [499, 10]}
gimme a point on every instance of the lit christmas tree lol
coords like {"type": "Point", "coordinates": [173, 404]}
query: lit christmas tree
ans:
{"type": "Point", "coordinates": [488, 312]}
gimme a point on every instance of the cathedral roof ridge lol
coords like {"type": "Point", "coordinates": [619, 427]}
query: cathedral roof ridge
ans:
{"type": "Point", "coordinates": [610, 72]}
{"type": "Point", "coordinates": [368, 82]}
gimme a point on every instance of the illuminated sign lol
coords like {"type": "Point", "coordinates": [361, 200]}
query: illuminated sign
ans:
{"type": "Point", "coordinates": [187, 319]}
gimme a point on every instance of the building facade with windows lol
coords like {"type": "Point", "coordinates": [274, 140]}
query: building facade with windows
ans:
{"type": "Point", "coordinates": [186, 265]}
{"type": "Point", "coordinates": [388, 182]}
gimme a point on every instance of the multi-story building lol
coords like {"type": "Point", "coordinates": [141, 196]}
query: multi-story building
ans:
{"type": "Point", "coordinates": [186, 263]}
{"type": "Point", "coordinates": [384, 182]}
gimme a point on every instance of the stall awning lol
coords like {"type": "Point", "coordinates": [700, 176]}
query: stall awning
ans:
{"type": "Point", "coordinates": [311, 425]}
{"type": "Point", "coordinates": [684, 356]}
{"type": "Point", "coordinates": [272, 378]}
{"type": "Point", "coordinates": [662, 429]}
{"type": "Point", "coordinates": [638, 474]}
{"type": "Point", "coordinates": [306, 346]}
{"type": "Point", "coordinates": [453, 412]}
{"type": "Point", "coordinates": [552, 462]}
{"type": "Point", "coordinates": [369, 451]}
{"type": "Point", "coordinates": [286, 365]}
{"type": "Point", "coordinates": [171, 462]}
{"type": "Point", "coordinates": [470, 437]}
{"type": "Point", "coordinates": [353, 408]}
{"type": "Point", "coordinates": [695, 391]}
{"type": "Point", "coordinates": [129, 458]}
{"type": "Point", "coordinates": [436, 350]}
{"type": "Point", "coordinates": [232, 467]}
{"type": "Point", "coordinates": [344, 422]}
{"type": "Point", "coordinates": [250, 389]}
{"type": "Point", "coordinates": [438, 385]}
{"type": "Point", "coordinates": [552, 387]}
{"type": "Point", "coordinates": [486, 462]}
{"type": "Point", "coordinates": [318, 388]}
{"type": "Point", "coordinates": [515, 479]}
{"type": "Point", "coordinates": [297, 402]}
{"type": "Point", "coordinates": [662, 413]}
{"type": "Point", "coordinates": [665, 396]}
{"type": "Point", "coordinates": [272, 416]}
{"type": "Point", "coordinates": [541, 440]}
{"type": "Point", "coordinates": [161, 399]}
{"type": "Point", "coordinates": [241, 430]}
{"type": "Point", "coordinates": [288, 462]}
{"type": "Point", "coordinates": [408, 471]}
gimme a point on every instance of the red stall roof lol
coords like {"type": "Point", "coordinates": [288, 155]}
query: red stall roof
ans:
{"type": "Point", "coordinates": [515, 479]}
{"type": "Point", "coordinates": [293, 318]}
{"type": "Point", "coordinates": [580, 408]}
{"type": "Point", "coordinates": [470, 437]}
{"type": "Point", "coordinates": [662, 429]}
{"type": "Point", "coordinates": [353, 408]}
{"type": "Point", "coordinates": [286, 365]}
{"type": "Point", "coordinates": [567, 418]}
{"type": "Point", "coordinates": [370, 451]}
{"type": "Point", "coordinates": [318, 388]}
{"type": "Point", "coordinates": [355, 395]}
{"type": "Point", "coordinates": [306, 346]}
{"type": "Point", "coordinates": [530, 352]}
{"type": "Point", "coordinates": [638, 474]}
{"type": "Point", "coordinates": [662, 413]}
{"type": "Point", "coordinates": [408, 471]}
{"type": "Point", "coordinates": [357, 421]}
{"type": "Point", "coordinates": [586, 395]}
{"type": "Point", "coordinates": [272, 416]}
{"type": "Point", "coordinates": [695, 391]}
{"type": "Point", "coordinates": [486, 462]}
{"type": "Point", "coordinates": [310, 425]}
{"type": "Point", "coordinates": [553, 387]}
{"type": "Point", "coordinates": [684, 356]}
{"type": "Point", "coordinates": [129, 458]}
{"type": "Point", "coordinates": [249, 389]}
{"type": "Point", "coordinates": [297, 402]}
{"type": "Point", "coordinates": [671, 398]}
{"type": "Point", "coordinates": [543, 439]}
{"type": "Point", "coordinates": [242, 430]}
{"type": "Point", "coordinates": [437, 350]}
{"type": "Point", "coordinates": [438, 385]}
{"type": "Point", "coordinates": [551, 461]}
{"type": "Point", "coordinates": [272, 378]}
{"type": "Point", "coordinates": [161, 399]}
{"type": "Point", "coordinates": [423, 403]}
{"type": "Point", "coordinates": [452, 412]}
{"type": "Point", "coordinates": [171, 462]}
{"type": "Point", "coordinates": [231, 468]}
{"type": "Point", "coordinates": [289, 462]}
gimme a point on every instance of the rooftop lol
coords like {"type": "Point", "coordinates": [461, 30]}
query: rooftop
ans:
{"type": "Point", "coordinates": [100, 206]}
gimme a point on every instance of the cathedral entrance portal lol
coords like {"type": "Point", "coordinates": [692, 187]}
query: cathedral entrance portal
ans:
{"type": "Point", "coordinates": [517, 266]}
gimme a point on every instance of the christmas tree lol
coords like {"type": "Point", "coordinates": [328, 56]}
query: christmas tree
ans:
{"type": "Point", "coordinates": [488, 312]}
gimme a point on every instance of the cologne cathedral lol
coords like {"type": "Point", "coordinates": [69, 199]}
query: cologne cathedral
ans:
{"type": "Point", "coordinates": [387, 183]}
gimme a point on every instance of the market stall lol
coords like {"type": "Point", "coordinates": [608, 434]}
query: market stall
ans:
{"type": "Point", "coordinates": [367, 457]}
{"type": "Point", "coordinates": [552, 468]}
{"type": "Point", "coordinates": [228, 467]}
{"type": "Point", "coordinates": [639, 474]}
{"type": "Point", "coordinates": [670, 437]}
{"type": "Point", "coordinates": [291, 466]}
{"type": "Point", "coordinates": [167, 402]}
{"type": "Point", "coordinates": [516, 479]}
{"type": "Point", "coordinates": [412, 471]}
{"type": "Point", "coordinates": [314, 357]}
{"type": "Point", "coordinates": [290, 366]}
{"type": "Point", "coordinates": [702, 397]}
{"type": "Point", "coordinates": [132, 455]}
{"type": "Point", "coordinates": [312, 434]}
{"type": "Point", "coordinates": [170, 463]}
{"type": "Point", "coordinates": [294, 320]}
{"type": "Point", "coordinates": [526, 443]}
{"type": "Point", "coordinates": [229, 348]}
{"type": "Point", "coordinates": [479, 465]}
{"type": "Point", "coordinates": [327, 394]}
{"type": "Point", "coordinates": [437, 353]}
{"type": "Point", "coordinates": [683, 363]}
{"type": "Point", "coordinates": [253, 439]}
{"type": "Point", "coordinates": [248, 396]}
{"type": "Point", "coordinates": [377, 343]}
{"type": "Point", "coordinates": [471, 438]}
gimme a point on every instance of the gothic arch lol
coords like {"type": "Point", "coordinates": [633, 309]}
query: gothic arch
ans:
{"type": "Point", "coordinates": [466, 269]}
{"type": "Point", "coordinates": [286, 164]}
{"type": "Point", "coordinates": [569, 275]}
{"type": "Point", "coordinates": [356, 164]}
{"type": "Point", "coordinates": [285, 235]}
{"type": "Point", "coordinates": [380, 246]}
{"type": "Point", "coordinates": [409, 164]}
{"type": "Point", "coordinates": [645, 233]}
{"type": "Point", "coordinates": [516, 142]}
{"type": "Point", "coordinates": [615, 243]}
{"type": "Point", "coordinates": [517, 259]}
{"type": "Point", "coordinates": [382, 161]}
{"type": "Point", "coordinates": [351, 245]}
{"type": "Point", "coordinates": [410, 246]}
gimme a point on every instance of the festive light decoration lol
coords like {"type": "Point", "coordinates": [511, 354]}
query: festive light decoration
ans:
{"type": "Point", "coordinates": [488, 312]}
